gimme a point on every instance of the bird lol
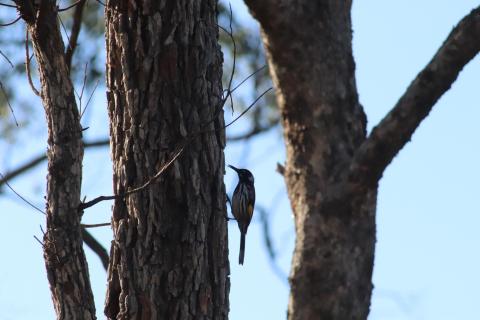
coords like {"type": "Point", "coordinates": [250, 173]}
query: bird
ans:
{"type": "Point", "coordinates": [243, 202]}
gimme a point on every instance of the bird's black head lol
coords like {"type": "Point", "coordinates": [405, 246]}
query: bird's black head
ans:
{"type": "Point", "coordinates": [243, 175]}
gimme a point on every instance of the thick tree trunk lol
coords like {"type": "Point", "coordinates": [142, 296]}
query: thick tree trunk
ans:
{"type": "Point", "coordinates": [169, 255]}
{"type": "Point", "coordinates": [332, 169]}
{"type": "Point", "coordinates": [65, 261]}
{"type": "Point", "coordinates": [310, 57]}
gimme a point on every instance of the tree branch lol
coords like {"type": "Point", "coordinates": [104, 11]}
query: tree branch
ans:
{"type": "Point", "coordinates": [96, 247]}
{"type": "Point", "coordinates": [77, 23]}
{"type": "Point", "coordinates": [40, 158]}
{"type": "Point", "coordinates": [253, 132]}
{"type": "Point", "coordinates": [27, 66]}
{"type": "Point", "coordinates": [105, 142]}
{"type": "Point", "coordinates": [396, 129]}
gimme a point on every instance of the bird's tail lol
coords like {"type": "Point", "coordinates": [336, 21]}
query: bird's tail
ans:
{"type": "Point", "coordinates": [242, 248]}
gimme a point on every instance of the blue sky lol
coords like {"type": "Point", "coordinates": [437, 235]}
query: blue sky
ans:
{"type": "Point", "coordinates": [427, 256]}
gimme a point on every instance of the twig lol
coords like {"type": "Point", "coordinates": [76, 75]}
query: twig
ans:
{"type": "Point", "coordinates": [229, 93]}
{"type": "Point", "coordinates": [76, 26]}
{"type": "Point", "coordinates": [96, 247]}
{"type": "Point", "coordinates": [7, 5]}
{"type": "Point", "coordinates": [93, 144]}
{"type": "Point", "coordinates": [248, 108]}
{"type": "Point", "coordinates": [8, 102]}
{"type": "Point", "coordinates": [281, 169]}
{"type": "Point", "coordinates": [267, 238]}
{"type": "Point", "coordinates": [248, 77]}
{"type": "Point", "coordinates": [6, 58]}
{"type": "Point", "coordinates": [20, 196]}
{"type": "Point", "coordinates": [164, 167]}
{"type": "Point", "coordinates": [27, 65]}
{"type": "Point", "coordinates": [84, 82]}
{"type": "Point", "coordinates": [40, 158]}
{"type": "Point", "coordinates": [89, 98]}
{"type": "Point", "coordinates": [71, 6]}
{"type": "Point", "coordinates": [10, 23]}
{"type": "Point", "coordinates": [255, 130]}
{"type": "Point", "coordinates": [232, 38]}
{"type": "Point", "coordinates": [38, 240]}
{"type": "Point", "coordinates": [63, 28]}
{"type": "Point", "coordinates": [96, 225]}
{"type": "Point", "coordinates": [80, 96]}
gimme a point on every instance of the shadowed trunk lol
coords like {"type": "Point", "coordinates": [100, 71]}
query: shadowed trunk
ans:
{"type": "Point", "coordinates": [332, 169]}
{"type": "Point", "coordinates": [169, 255]}
{"type": "Point", "coordinates": [313, 70]}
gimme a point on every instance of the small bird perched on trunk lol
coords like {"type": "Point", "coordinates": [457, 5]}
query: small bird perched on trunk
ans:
{"type": "Point", "coordinates": [243, 203]}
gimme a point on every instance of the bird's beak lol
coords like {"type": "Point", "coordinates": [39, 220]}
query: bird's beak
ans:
{"type": "Point", "coordinates": [233, 168]}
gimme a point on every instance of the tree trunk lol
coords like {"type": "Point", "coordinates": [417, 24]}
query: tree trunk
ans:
{"type": "Point", "coordinates": [65, 261]}
{"type": "Point", "coordinates": [169, 257]}
{"type": "Point", "coordinates": [332, 168]}
{"type": "Point", "coordinates": [314, 73]}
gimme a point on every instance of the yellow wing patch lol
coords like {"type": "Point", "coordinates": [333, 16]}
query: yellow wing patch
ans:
{"type": "Point", "coordinates": [250, 210]}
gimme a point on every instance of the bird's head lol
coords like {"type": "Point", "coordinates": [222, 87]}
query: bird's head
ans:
{"type": "Point", "coordinates": [243, 175]}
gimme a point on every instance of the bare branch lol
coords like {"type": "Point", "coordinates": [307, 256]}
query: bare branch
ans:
{"type": "Point", "coordinates": [10, 23]}
{"type": "Point", "coordinates": [96, 247]}
{"type": "Point", "coordinates": [103, 4]}
{"type": "Point", "coordinates": [27, 65]}
{"type": "Point", "coordinates": [105, 142]}
{"type": "Point", "coordinates": [8, 102]}
{"type": "Point", "coordinates": [75, 4]}
{"type": "Point", "coordinates": [89, 98]}
{"type": "Point", "coordinates": [8, 5]}
{"type": "Point", "coordinates": [40, 158]}
{"type": "Point", "coordinates": [164, 167]}
{"type": "Point", "coordinates": [396, 129]}
{"type": "Point", "coordinates": [95, 225]}
{"type": "Point", "coordinates": [280, 169]}
{"type": "Point", "coordinates": [255, 130]}
{"type": "Point", "coordinates": [6, 58]}
{"type": "Point", "coordinates": [38, 240]}
{"type": "Point", "coordinates": [20, 196]}
{"type": "Point", "coordinates": [268, 241]}
{"type": "Point", "coordinates": [234, 58]}
{"type": "Point", "coordinates": [248, 108]}
{"type": "Point", "coordinates": [76, 26]}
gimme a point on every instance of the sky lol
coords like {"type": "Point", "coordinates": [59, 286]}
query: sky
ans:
{"type": "Point", "coordinates": [427, 252]}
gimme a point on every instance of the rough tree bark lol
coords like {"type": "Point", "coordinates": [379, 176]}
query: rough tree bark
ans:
{"type": "Point", "coordinates": [332, 168]}
{"type": "Point", "coordinates": [169, 254]}
{"type": "Point", "coordinates": [65, 261]}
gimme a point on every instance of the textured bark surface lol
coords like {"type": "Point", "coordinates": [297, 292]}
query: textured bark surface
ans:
{"type": "Point", "coordinates": [65, 261]}
{"type": "Point", "coordinates": [169, 254]}
{"type": "Point", "coordinates": [332, 169]}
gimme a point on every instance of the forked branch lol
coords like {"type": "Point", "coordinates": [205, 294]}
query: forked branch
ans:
{"type": "Point", "coordinates": [396, 129]}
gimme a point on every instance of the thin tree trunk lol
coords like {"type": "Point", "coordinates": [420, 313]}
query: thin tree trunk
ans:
{"type": "Point", "coordinates": [169, 255]}
{"type": "Point", "coordinates": [65, 261]}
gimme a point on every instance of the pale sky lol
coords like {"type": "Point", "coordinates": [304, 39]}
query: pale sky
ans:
{"type": "Point", "coordinates": [427, 259]}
